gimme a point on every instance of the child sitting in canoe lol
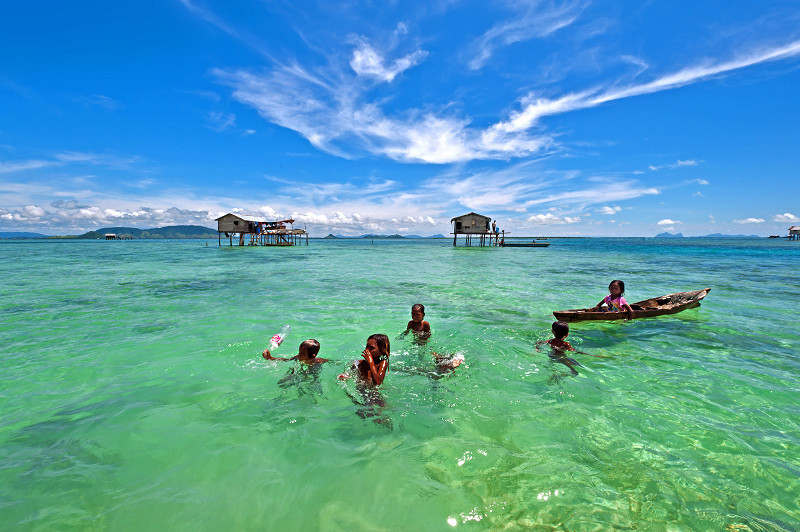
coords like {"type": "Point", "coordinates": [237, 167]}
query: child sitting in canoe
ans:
{"type": "Point", "coordinates": [614, 301]}
{"type": "Point", "coordinates": [306, 353]}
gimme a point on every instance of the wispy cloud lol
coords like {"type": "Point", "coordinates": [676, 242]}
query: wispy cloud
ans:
{"type": "Point", "coordinates": [750, 221]}
{"type": "Point", "coordinates": [100, 101]}
{"type": "Point", "coordinates": [219, 122]}
{"type": "Point", "coordinates": [369, 62]}
{"type": "Point", "coordinates": [327, 109]}
{"type": "Point", "coordinates": [213, 19]}
{"type": "Point", "coordinates": [19, 166]}
{"type": "Point", "coordinates": [533, 20]}
{"type": "Point", "coordinates": [677, 164]}
{"type": "Point", "coordinates": [535, 107]}
{"type": "Point", "coordinates": [667, 221]}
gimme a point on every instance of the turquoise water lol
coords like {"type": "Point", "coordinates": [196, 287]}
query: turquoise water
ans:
{"type": "Point", "coordinates": [134, 396]}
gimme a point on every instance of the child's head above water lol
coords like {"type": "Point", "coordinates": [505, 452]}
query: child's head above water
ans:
{"type": "Point", "coordinates": [417, 312]}
{"type": "Point", "coordinates": [616, 288]}
{"type": "Point", "coordinates": [560, 330]}
{"type": "Point", "coordinates": [382, 343]}
{"type": "Point", "coordinates": [311, 347]}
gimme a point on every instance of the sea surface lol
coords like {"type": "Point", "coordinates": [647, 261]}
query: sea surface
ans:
{"type": "Point", "coordinates": [134, 394]}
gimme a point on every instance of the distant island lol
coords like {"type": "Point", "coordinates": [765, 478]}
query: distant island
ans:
{"type": "Point", "coordinates": [173, 232]}
{"type": "Point", "coordinates": [331, 235]}
{"type": "Point", "coordinates": [712, 235]}
{"type": "Point", "coordinates": [21, 234]}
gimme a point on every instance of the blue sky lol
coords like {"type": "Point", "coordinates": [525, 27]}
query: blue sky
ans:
{"type": "Point", "coordinates": [555, 118]}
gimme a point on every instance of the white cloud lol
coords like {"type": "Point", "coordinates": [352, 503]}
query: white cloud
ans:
{"type": "Point", "coordinates": [18, 166]}
{"type": "Point", "coordinates": [551, 219]}
{"type": "Point", "coordinates": [750, 221]}
{"type": "Point", "coordinates": [667, 221]}
{"type": "Point", "coordinates": [368, 62]}
{"type": "Point", "coordinates": [536, 107]}
{"type": "Point", "coordinates": [609, 210]}
{"type": "Point", "coordinates": [536, 21]}
{"type": "Point", "coordinates": [678, 164]}
{"type": "Point", "coordinates": [330, 114]}
{"type": "Point", "coordinates": [100, 100]}
{"type": "Point", "coordinates": [219, 122]}
{"type": "Point", "coordinates": [786, 217]}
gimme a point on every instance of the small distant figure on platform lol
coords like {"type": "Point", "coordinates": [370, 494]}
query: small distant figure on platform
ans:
{"type": "Point", "coordinates": [614, 300]}
{"type": "Point", "coordinates": [372, 369]}
{"type": "Point", "coordinates": [417, 324]}
{"type": "Point", "coordinates": [494, 226]}
{"type": "Point", "coordinates": [306, 353]}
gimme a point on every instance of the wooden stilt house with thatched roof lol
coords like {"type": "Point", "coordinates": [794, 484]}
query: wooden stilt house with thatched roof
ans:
{"type": "Point", "coordinates": [255, 231]}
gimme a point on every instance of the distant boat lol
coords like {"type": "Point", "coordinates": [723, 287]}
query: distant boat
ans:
{"type": "Point", "coordinates": [527, 245]}
{"type": "Point", "coordinates": [649, 308]}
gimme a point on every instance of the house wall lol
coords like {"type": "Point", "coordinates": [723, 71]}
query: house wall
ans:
{"type": "Point", "coordinates": [472, 225]}
{"type": "Point", "coordinates": [233, 224]}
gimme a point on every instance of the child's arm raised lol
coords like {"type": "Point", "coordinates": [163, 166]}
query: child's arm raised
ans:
{"type": "Point", "coordinates": [376, 373]}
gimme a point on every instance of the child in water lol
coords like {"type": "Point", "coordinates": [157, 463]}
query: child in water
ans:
{"type": "Point", "coordinates": [417, 324]}
{"type": "Point", "coordinates": [560, 346]}
{"type": "Point", "coordinates": [614, 300]}
{"type": "Point", "coordinates": [372, 369]}
{"type": "Point", "coordinates": [560, 331]}
{"type": "Point", "coordinates": [422, 331]}
{"type": "Point", "coordinates": [306, 353]}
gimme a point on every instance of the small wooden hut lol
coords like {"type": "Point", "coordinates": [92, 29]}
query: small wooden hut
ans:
{"type": "Point", "coordinates": [254, 231]}
{"type": "Point", "coordinates": [794, 232]}
{"type": "Point", "coordinates": [471, 224]}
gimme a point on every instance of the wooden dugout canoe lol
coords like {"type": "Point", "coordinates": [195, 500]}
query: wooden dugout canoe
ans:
{"type": "Point", "coordinates": [649, 308]}
{"type": "Point", "coordinates": [530, 245]}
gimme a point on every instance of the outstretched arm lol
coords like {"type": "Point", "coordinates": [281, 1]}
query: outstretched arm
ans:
{"type": "Point", "coordinates": [266, 354]}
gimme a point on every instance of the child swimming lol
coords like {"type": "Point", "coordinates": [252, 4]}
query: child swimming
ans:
{"type": "Point", "coordinates": [614, 300]}
{"type": "Point", "coordinates": [560, 331]}
{"type": "Point", "coordinates": [560, 346]}
{"type": "Point", "coordinates": [306, 353]}
{"type": "Point", "coordinates": [417, 324]}
{"type": "Point", "coordinates": [372, 369]}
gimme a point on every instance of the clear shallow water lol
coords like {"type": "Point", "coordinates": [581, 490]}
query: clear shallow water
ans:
{"type": "Point", "coordinates": [134, 395]}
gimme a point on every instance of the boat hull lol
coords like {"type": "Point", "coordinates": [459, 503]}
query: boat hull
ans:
{"type": "Point", "coordinates": [525, 245]}
{"type": "Point", "coordinates": [649, 308]}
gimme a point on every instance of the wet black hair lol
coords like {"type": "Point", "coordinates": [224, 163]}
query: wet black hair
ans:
{"type": "Point", "coordinates": [419, 306]}
{"type": "Point", "coordinates": [312, 347]}
{"type": "Point", "coordinates": [560, 329]}
{"type": "Point", "coordinates": [618, 283]}
{"type": "Point", "coordinates": [383, 344]}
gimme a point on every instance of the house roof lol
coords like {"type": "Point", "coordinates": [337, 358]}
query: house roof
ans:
{"type": "Point", "coordinates": [472, 214]}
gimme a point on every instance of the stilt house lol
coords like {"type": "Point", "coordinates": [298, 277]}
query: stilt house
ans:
{"type": "Point", "coordinates": [256, 231]}
{"type": "Point", "coordinates": [473, 224]}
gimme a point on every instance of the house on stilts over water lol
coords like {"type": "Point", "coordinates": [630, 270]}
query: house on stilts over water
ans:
{"type": "Point", "coordinates": [474, 224]}
{"type": "Point", "coordinates": [255, 231]}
